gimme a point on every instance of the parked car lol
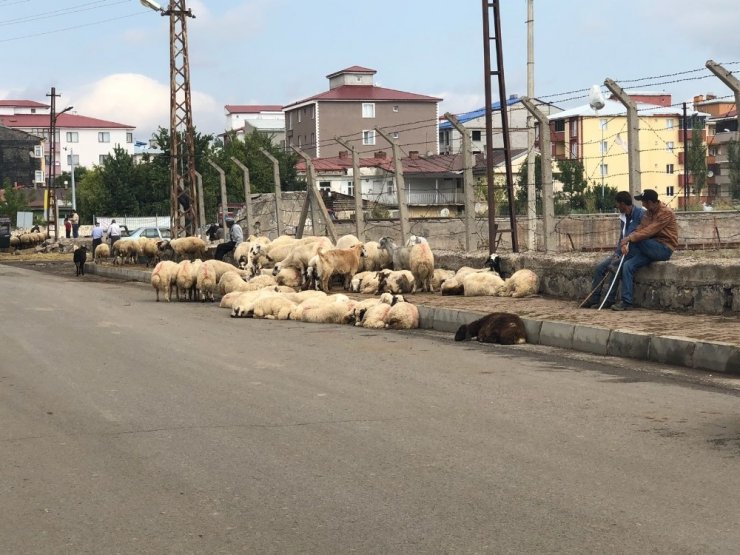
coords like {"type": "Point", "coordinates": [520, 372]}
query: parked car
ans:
{"type": "Point", "coordinates": [152, 232]}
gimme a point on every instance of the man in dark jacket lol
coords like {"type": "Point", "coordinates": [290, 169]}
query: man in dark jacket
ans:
{"type": "Point", "coordinates": [655, 239]}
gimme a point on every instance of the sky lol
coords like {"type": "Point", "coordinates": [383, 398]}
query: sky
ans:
{"type": "Point", "coordinates": [110, 58]}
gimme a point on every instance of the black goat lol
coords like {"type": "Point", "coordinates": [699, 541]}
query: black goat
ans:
{"type": "Point", "coordinates": [493, 263]}
{"type": "Point", "coordinates": [80, 257]}
{"type": "Point", "coordinates": [498, 327]}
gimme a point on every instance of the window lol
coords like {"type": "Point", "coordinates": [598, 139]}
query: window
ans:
{"type": "Point", "coordinates": [290, 120]}
{"type": "Point", "coordinates": [669, 123]}
{"type": "Point", "coordinates": [669, 191]}
{"type": "Point", "coordinates": [604, 169]}
{"type": "Point", "coordinates": [73, 159]}
{"type": "Point", "coordinates": [395, 108]}
{"type": "Point", "coordinates": [300, 139]}
{"type": "Point", "coordinates": [103, 137]}
{"type": "Point", "coordinates": [73, 137]}
{"type": "Point", "coordinates": [368, 137]}
{"type": "Point", "coordinates": [129, 137]}
{"type": "Point", "coordinates": [604, 123]}
{"type": "Point", "coordinates": [324, 186]}
{"type": "Point", "coordinates": [559, 125]}
{"type": "Point", "coordinates": [669, 168]}
{"type": "Point", "coordinates": [604, 147]}
{"type": "Point", "coordinates": [368, 109]}
{"type": "Point", "coordinates": [574, 150]}
{"type": "Point", "coordinates": [351, 188]}
{"type": "Point", "coordinates": [573, 127]}
{"type": "Point", "coordinates": [38, 151]}
{"type": "Point", "coordinates": [389, 188]}
{"type": "Point", "coordinates": [299, 116]}
{"type": "Point", "coordinates": [713, 151]}
{"type": "Point", "coordinates": [669, 146]}
{"type": "Point", "coordinates": [102, 158]}
{"type": "Point", "coordinates": [476, 135]}
{"type": "Point", "coordinates": [313, 111]}
{"type": "Point", "coordinates": [313, 139]}
{"type": "Point", "coordinates": [395, 135]}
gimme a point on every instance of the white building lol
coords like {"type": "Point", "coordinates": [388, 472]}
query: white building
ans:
{"type": "Point", "coordinates": [263, 118]}
{"type": "Point", "coordinates": [89, 140]}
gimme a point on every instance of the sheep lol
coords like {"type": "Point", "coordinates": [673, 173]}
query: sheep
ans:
{"type": "Point", "coordinates": [421, 264]}
{"type": "Point", "coordinates": [243, 306]}
{"type": "Point", "coordinates": [439, 277]}
{"type": "Point", "coordinates": [479, 284]}
{"type": "Point", "coordinates": [328, 313]}
{"type": "Point", "coordinates": [192, 247]}
{"type": "Point", "coordinates": [523, 283]}
{"type": "Point", "coordinates": [258, 282]}
{"type": "Point", "coordinates": [126, 250]}
{"type": "Point", "coordinates": [102, 251]}
{"type": "Point", "coordinates": [164, 276]}
{"type": "Point", "coordinates": [300, 256]}
{"type": "Point", "coordinates": [80, 256]}
{"type": "Point", "coordinates": [396, 282]}
{"type": "Point", "coordinates": [187, 278]}
{"type": "Point", "coordinates": [229, 300]}
{"type": "Point", "coordinates": [415, 240]}
{"type": "Point", "coordinates": [316, 301]}
{"type": "Point", "coordinates": [346, 241]}
{"type": "Point", "coordinates": [275, 251]}
{"type": "Point", "coordinates": [344, 262]}
{"type": "Point", "coordinates": [209, 274]}
{"type": "Point", "coordinates": [498, 327]}
{"type": "Point", "coordinates": [399, 255]}
{"type": "Point", "coordinates": [402, 316]}
{"type": "Point", "coordinates": [360, 278]}
{"type": "Point", "coordinates": [148, 249]}
{"type": "Point", "coordinates": [231, 281]}
{"type": "Point", "coordinates": [273, 307]}
{"type": "Point", "coordinates": [454, 285]}
{"type": "Point", "coordinates": [290, 277]}
{"type": "Point", "coordinates": [373, 317]}
{"type": "Point", "coordinates": [376, 258]}
{"type": "Point", "coordinates": [361, 307]}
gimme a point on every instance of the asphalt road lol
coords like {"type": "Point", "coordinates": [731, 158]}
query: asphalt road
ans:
{"type": "Point", "coordinates": [129, 426]}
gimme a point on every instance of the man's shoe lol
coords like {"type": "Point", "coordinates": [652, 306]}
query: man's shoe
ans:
{"type": "Point", "coordinates": [607, 304]}
{"type": "Point", "coordinates": [591, 304]}
{"type": "Point", "coordinates": [621, 306]}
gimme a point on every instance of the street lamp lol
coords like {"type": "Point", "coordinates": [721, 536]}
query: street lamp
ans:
{"type": "Point", "coordinates": [72, 171]}
{"type": "Point", "coordinates": [152, 6]}
{"type": "Point", "coordinates": [52, 211]}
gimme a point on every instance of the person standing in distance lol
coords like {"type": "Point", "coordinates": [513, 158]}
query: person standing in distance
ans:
{"type": "Point", "coordinates": [236, 236]}
{"type": "Point", "coordinates": [75, 224]}
{"type": "Point", "coordinates": [114, 233]}
{"type": "Point", "coordinates": [655, 239]}
{"type": "Point", "coordinates": [97, 236]}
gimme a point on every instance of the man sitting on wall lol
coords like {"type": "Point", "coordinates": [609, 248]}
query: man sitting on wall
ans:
{"type": "Point", "coordinates": [654, 240]}
{"type": "Point", "coordinates": [236, 236]}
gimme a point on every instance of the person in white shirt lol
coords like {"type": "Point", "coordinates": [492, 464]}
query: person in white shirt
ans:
{"type": "Point", "coordinates": [114, 232]}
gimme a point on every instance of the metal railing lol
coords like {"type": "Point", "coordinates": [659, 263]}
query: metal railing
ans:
{"type": "Point", "coordinates": [419, 198]}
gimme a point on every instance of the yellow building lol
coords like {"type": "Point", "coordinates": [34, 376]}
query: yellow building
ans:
{"type": "Point", "coordinates": [598, 139]}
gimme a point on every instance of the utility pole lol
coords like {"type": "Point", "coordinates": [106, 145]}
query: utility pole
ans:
{"type": "Point", "coordinates": [487, 38]}
{"type": "Point", "coordinates": [201, 202]}
{"type": "Point", "coordinates": [403, 209]}
{"type": "Point", "coordinates": [531, 182]}
{"type": "Point", "coordinates": [685, 139]}
{"type": "Point", "coordinates": [278, 190]}
{"type": "Point", "coordinates": [732, 82]}
{"type": "Point", "coordinates": [312, 190]}
{"type": "Point", "coordinates": [224, 201]}
{"type": "Point", "coordinates": [633, 135]}
{"type": "Point", "coordinates": [468, 181]}
{"type": "Point", "coordinates": [357, 186]}
{"type": "Point", "coordinates": [548, 206]}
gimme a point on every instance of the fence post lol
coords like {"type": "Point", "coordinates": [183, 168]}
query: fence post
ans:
{"type": "Point", "coordinates": [311, 190]}
{"type": "Point", "coordinates": [224, 204]}
{"type": "Point", "coordinates": [357, 184]}
{"type": "Point", "coordinates": [247, 195]}
{"type": "Point", "coordinates": [278, 191]}
{"type": "Point", "coordinates": [468, 182]}
{"type": "Point", "coordinates": [201, 204]}
{"type": "Point", "coordinates": [400, 187]}
{"type": "Point", "coordinates": [633, 135]}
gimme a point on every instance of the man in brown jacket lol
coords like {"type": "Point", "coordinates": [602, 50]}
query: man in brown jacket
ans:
{"type": "Point", "coordinates": [655, 239]}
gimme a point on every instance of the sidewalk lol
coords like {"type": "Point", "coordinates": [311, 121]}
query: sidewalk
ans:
{"type": "Point", "coordinates": [695, 341]}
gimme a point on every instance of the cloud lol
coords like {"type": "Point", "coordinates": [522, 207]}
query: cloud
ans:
{"type": "Point", "coordinates": [712, 27]}
{"type": "Point", "coordinates": [459, 103]}
{"type": "Point", "coordinates": [142, 102]}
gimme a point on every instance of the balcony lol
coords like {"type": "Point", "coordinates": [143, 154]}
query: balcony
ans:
{"type": "Point", "coordinates": [557, 136]}
{"type": "Point", "coordinates": [679, 179]}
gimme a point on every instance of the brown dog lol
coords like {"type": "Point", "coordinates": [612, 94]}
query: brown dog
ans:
{"type": "Point", "coordinates": [498, 327]}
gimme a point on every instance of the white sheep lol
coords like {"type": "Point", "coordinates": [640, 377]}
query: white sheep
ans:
{"type": "Point", "coordinates": [373, 317]}
{"type": "Point", "coordinates": [478, 284]}
{"type": "Point", "coordinates": [232, 281]}
{"type": "Point", "coordinates": [209, 274]}
{"type": "Point", "coordinates": [102, 252]}
{"type": "Point", "coordinates": [148, 249]}
{"type": "Point", "coordinates": [415, 240]}
{"type": "Point", "coordinates": [454, 285]}
{"type": "Point", "coordinates": [314, 302]}
{"type": "Point", "coordinates": [402, 316]}
{"type": "Point", "coordinates": [126, 250]}
{"type": "Point", "coordinates": [523, 283]}
{"type": "Point", "coordinates": [301, 254]}
{"type": "Point", "coordinates": [395, 282]}
{"type": "Point", "coordinates": [328, 313]}
{"type": "Point", "coordinates": [289, 276]}
{"type": "Point", "coordinates": [164, 277]}
{"type": "Point", "coordinates": [440, 277]}
{"type": "Point", "coordinates": [346, 241]}
{"type": "Point", "coordinates": [359, 278]}
{"type": "Point", "coordinates": [186, 279]}
{"type": "Point", "coordinates": [273, 307]}
{"type": "Point", "coordinates": [376, 258]}
{"type": "Point", "coordinates": [421, 263]}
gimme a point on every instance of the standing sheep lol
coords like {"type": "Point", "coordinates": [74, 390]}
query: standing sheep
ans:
{"type": "Point", "coordinates": [376, 258]}
{"type": "Point", "coordinates": [344, 262]}
{"type": "Point", "coordinates": [164, 276]}
{"type": "Point", "coordinates": [186, 279]}
{"type": "Point", "coordinates": [421, 263]}
{"type": "Point", "coordinates": [399, 255]}
{"type": "Point", "coordinates": [102, 252]}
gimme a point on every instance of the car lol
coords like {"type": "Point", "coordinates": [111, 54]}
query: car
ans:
{"type": "Point", "coordinates": [151, 232]}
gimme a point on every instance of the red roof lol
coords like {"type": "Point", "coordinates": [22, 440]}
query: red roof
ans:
{"type": "Point", "coordinates": [23, 103]}
{"type": "Point", "coordinates": [66, 120]}
{"type": "Point", "coordinates": [252, 108]}
{"type": "Point", "coordinates": [366, 93]}
{"type": "Point", "coordinates": [353, 69]}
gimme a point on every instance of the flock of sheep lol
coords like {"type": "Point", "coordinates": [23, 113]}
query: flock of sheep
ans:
{"type": "Point", "coordinates": [27, 239]}
{"type": "Point", "coordinates": [289, 278]}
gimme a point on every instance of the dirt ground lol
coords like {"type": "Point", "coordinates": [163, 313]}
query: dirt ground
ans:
{"type": "Point", "coordinates": [695, 326]}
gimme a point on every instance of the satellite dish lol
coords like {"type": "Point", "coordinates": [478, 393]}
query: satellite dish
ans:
{"type": "Point", "coordinates": [595, 98]}
{"type": "Point", "coordinates": [710, 173]}
{"type": "Point", "coordinates": [445, 212]}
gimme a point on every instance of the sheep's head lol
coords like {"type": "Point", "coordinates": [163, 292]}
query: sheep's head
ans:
{"type": "Point", "coordinates": [493, 263]}
{"type": "Point", "coordinates": [386, 243]}
{"type": "Point", "coordinates": [242, 262]}
{"type": "Point", "coordinates": [276, 269]}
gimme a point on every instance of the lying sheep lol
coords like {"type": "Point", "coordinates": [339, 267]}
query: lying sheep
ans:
{"type": "Point", "coordinates": [102, 252]}
{"type": "Point", "coordinates": [402, 316]}
{"type": "Point", "coordinates": [243, 306]}
{"type": "Point", "coordinates": [361, 307]}
{"type": "Point", "coordinates": [479, 284]}
{"type": "Point", "coordinates": [454, 285]}
{"type": "Point", "coordinates": [290, 277]}
{"type": "Point", "coordinates": [356, 285]}
{"type": "Point", "coordinates": [439, 277]}
{"type": "Point", "coordinates": [328, 313]}
{"type": "Point", "coordinates": [396, 282]}
{"type": "Point", "coordinates": [524, 283]}
{"type": "Point", "coordinates": [421, 264]}
{"type": "Point", "coordinates": [373, 317]}
{"type": "Point", "coordinates": [344, 262]}
{"type": "Point", "coordinates": [273, 307]}
{"type": "Point", "coordinates": [315, 302]}
{"type": "Point", "coordinates": [498, 327]}
{"type": "Point", "coordinates": [231, 281]}
{"type": "Point", "coordinates": [164, 277]}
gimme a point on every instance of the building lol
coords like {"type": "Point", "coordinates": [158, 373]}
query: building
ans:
{"type": "Point", "coordinates": [722, 128]}
{"type": "Point", "coordinates": [82, 140]}
{"type": "Point", "coordinates": [598, 139]}
{"type": "Point", "coordinates": [266, 119]}
{"type": "Point", "coordinates": [353, 108]}
{"type": "Point", "coordinates": [450, 140]}
{"type": "Point", "coordinates": [21, 158]}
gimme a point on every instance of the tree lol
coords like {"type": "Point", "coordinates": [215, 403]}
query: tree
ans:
{"type": "Point", "coordinates": [696, 157]}
{"type": "Point", "coordinates": [574, 184]}
{"type": "Point", "coordinates": [733, 156]}
{"type": "Point", "coordinates": [521, 192]}
{"type": "Point", "coordinates": [13, 201]}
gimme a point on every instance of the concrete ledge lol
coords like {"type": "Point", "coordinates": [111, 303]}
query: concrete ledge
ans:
{"type": "Point", "coordinates": [630, 344]}
{"type": "Point", "coordinates": [533, 328]}
{"type": "Point", "coordinates": [717, 356]}
{"type": "Point", "coordinates": [444, 319]}
{"type": "Point", "coordinates": [557, 334]}
{"type": "Point", "coordinates": [672, 350]}
{"type": "Point", "coordinates": [591, 339]}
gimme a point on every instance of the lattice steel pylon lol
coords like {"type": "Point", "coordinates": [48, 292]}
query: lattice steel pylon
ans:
{"type": "Point", "coordinates": [184, 218]}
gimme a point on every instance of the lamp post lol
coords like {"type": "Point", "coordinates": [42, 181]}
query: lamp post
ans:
{"type": "Point", "coordinates": [52, 210]}
{"type": "Point", "coordinates": [183, 173]}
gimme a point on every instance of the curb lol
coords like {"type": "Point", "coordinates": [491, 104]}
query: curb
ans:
{"type": "Point", "coordinates": [715, 356]}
